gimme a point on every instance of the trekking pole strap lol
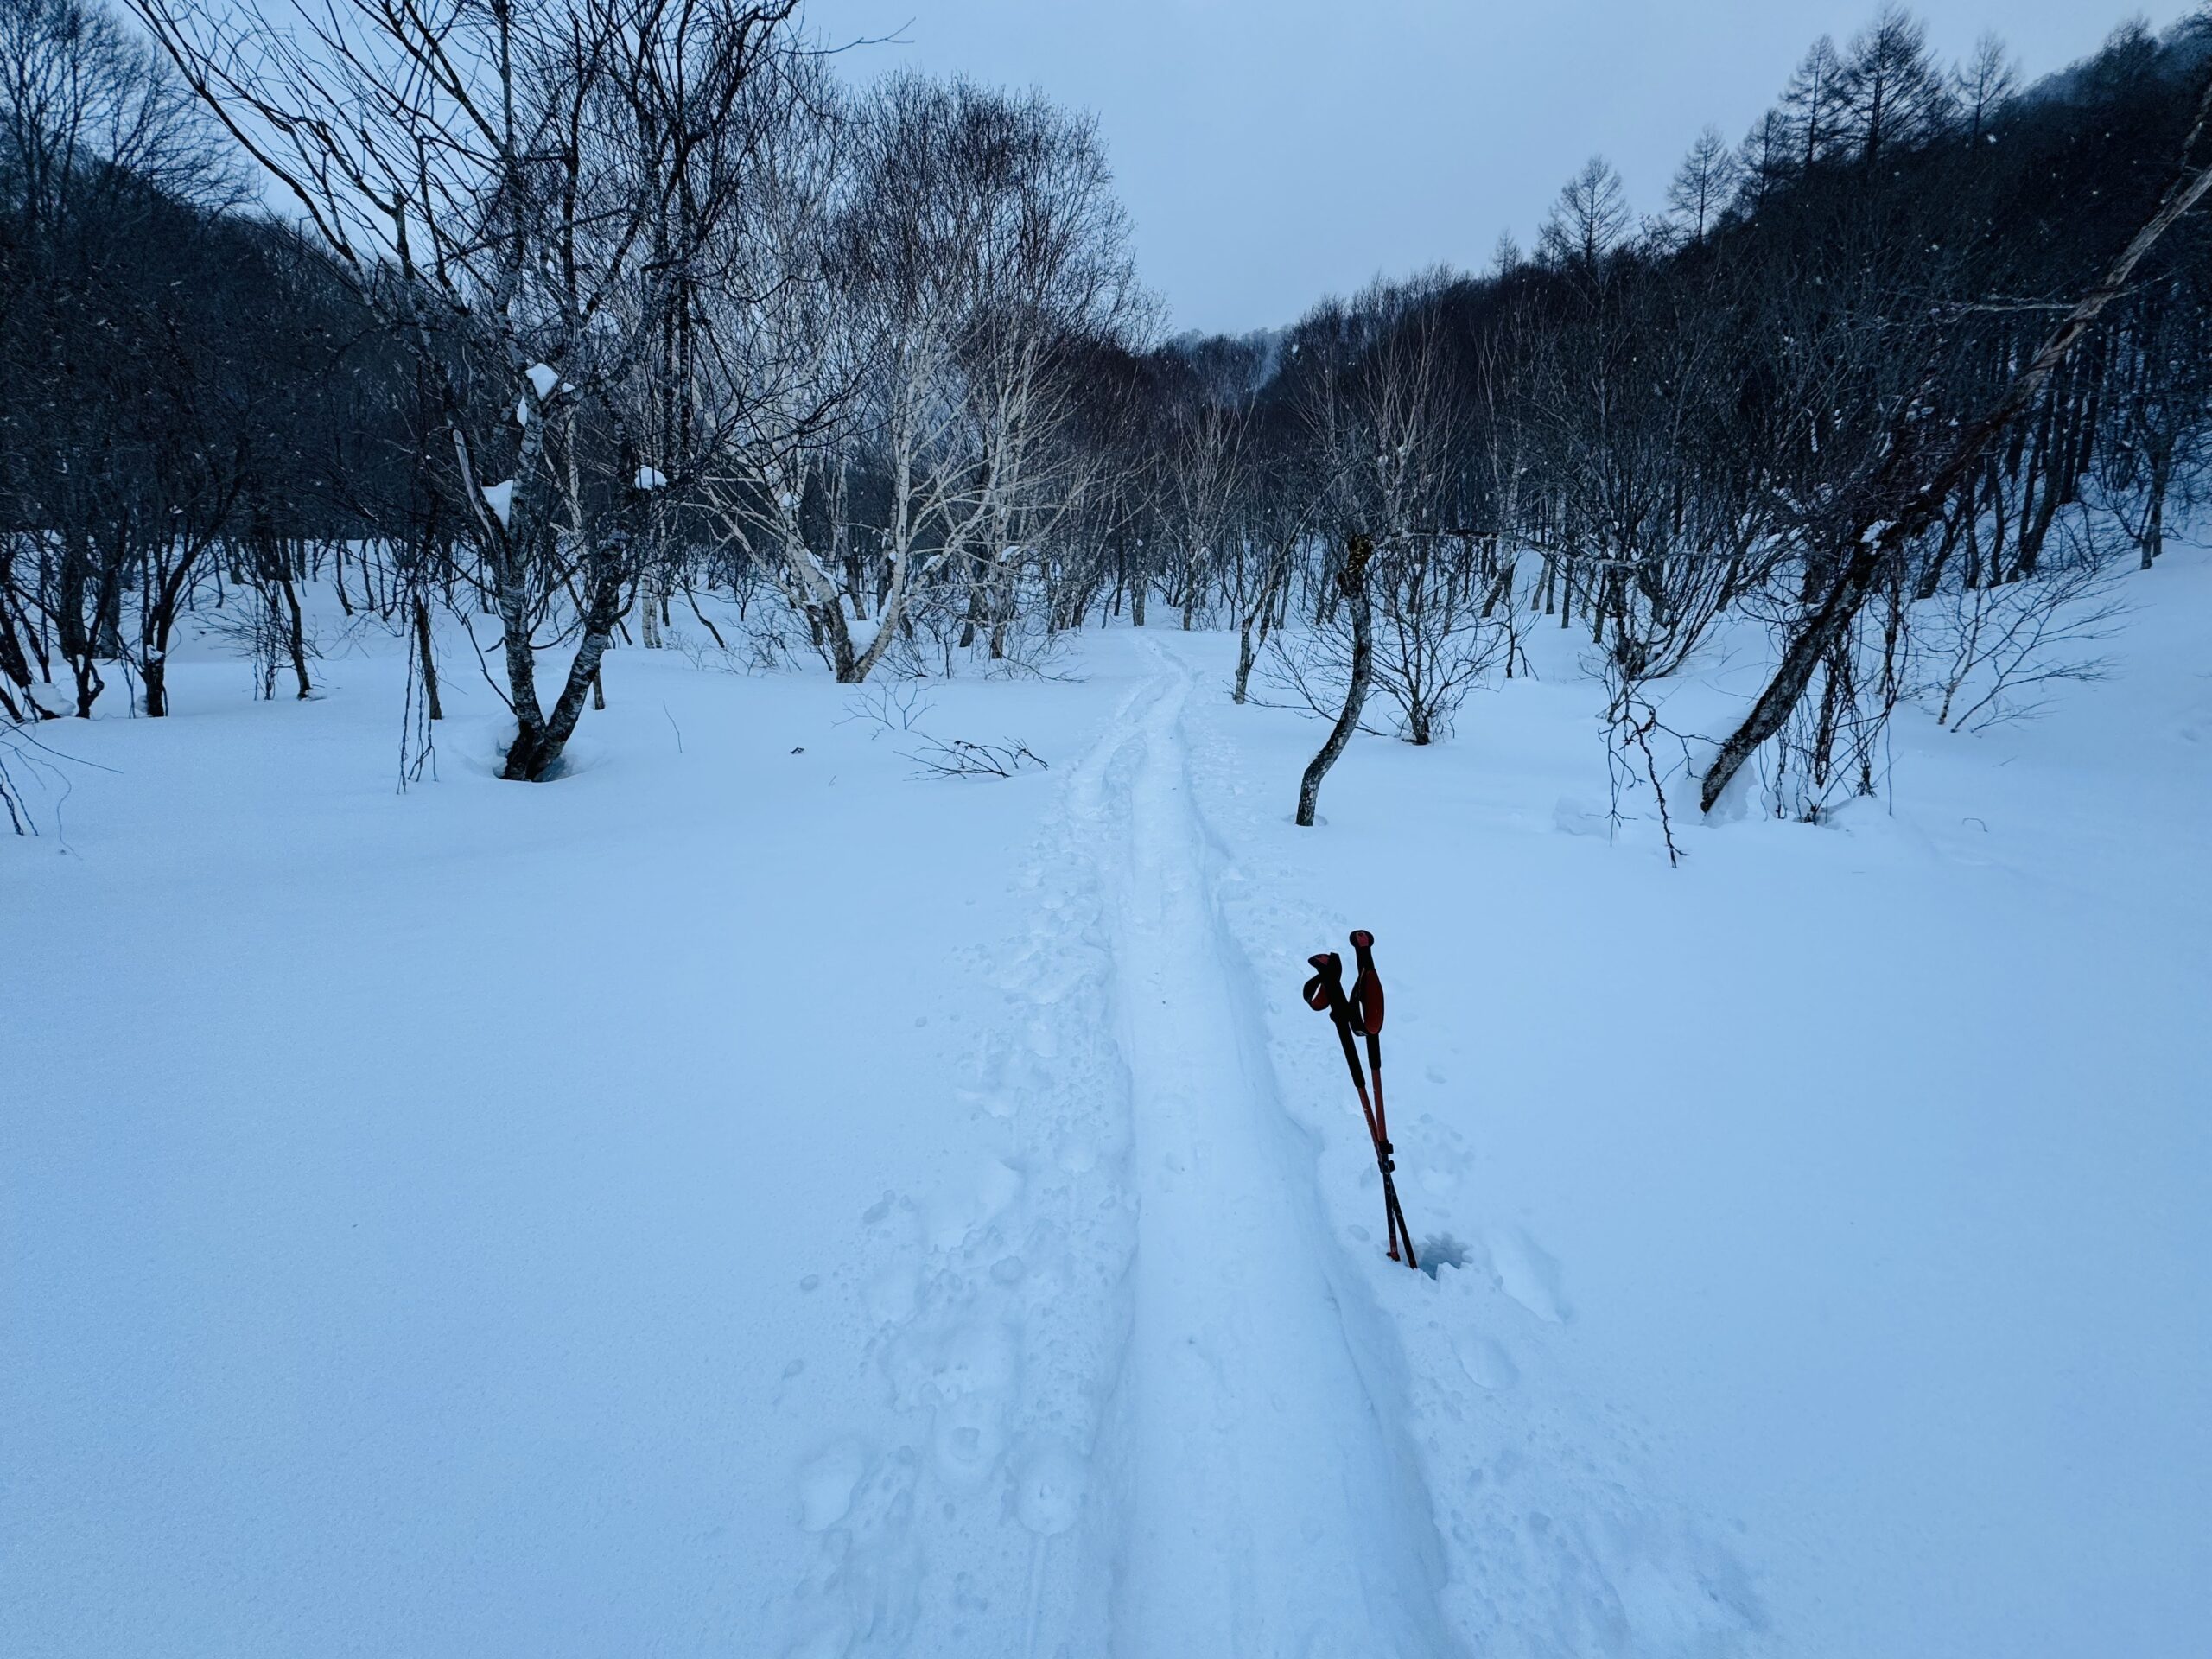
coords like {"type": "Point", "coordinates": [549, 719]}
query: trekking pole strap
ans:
{"type": "Point", "coordinates": [1324, 993]}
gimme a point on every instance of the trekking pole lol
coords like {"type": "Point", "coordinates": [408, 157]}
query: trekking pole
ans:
{"type": "Point", "coordinates": [1366, 1002]}
{"type": "Point", "coordinates": [1325, 993]}
{"type": "Point", "coordinates": [1326, 990]}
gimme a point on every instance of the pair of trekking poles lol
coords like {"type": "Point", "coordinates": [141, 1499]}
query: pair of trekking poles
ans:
{"type": "Point", "coordinates": [1358, 1012]}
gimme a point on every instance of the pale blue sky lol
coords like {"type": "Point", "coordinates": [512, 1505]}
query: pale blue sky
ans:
{"type": "Point", "coordinates": [1272, 149]}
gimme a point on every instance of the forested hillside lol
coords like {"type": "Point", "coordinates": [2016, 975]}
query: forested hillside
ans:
{"type": "Point", "coordinates": [590, 315]}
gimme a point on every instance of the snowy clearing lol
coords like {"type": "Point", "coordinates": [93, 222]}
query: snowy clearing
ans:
{"type": "Point", "coordinates": [747, 1199]}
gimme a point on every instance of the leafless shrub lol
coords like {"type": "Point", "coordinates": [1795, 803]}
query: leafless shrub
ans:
{"type": "Point", "coordinates": [1641, 751]}
{"type": "Point", "coordinates": [11, 740]}
{"type": "Point", "coordinates": [961, 758]}
{"type": "Point", "coordinates": [1307, 668]}
{"type": "Point", "coordinates": [1995, 651]}
{"type": "Point", "coordinates": [265, 635]}
{"type": "Point", "coordinates": [890, 705]}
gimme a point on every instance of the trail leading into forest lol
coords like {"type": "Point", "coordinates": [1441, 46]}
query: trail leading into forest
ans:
{"type": "Point", "coordinates": [1260, 1505]}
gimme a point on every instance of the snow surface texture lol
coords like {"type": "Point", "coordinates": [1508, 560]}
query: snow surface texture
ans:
{"type": "Point", "coordinates": [745, 1199]}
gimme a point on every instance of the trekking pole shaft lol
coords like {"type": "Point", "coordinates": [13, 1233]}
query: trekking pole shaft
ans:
{"type": "Point", "coordinates": [1375, 1071]}
{"type": "Point", "coordinates": [1359, 1082]}
{"type": "Point", "coordinates": [1392, 1217]}
{"type": "Point", "coordinates": [1398, 1213]}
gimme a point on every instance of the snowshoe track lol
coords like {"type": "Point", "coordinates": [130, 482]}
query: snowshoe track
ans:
{"type": "Point", "coordinates": [1136, 1422]}
{"type": "Point", "coordinates": [1263, 1504]}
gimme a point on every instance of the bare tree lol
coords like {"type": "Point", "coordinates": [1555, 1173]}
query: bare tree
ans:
{"type": "Point", "coordinates": [1981, 83]}
{"type": "Point", "coordinates": [1703, 185]}
{"type": "Point", "coordinates": [784, 362]}
{"type": "Point", "coordinates": [985, 251]}
{"type": "Point", "coordinates": [89, 114]}
{"type": "Point", "coordinates": [529, 191]}
{"type": "Point", "coordinates": [1351, 583]}
{"type": "Point", "coordinates": [1906, 494]}
{"type": "Point", "coordinates": [1277, 511]}
{"type": "Point", "coordinates": [1813, 105]}
{"type": "Point", "coordinates": [1205, 462]}
{"type": "Point", "coordinates": [108, 171]}
{"type": "Point", "coordinates": [1588, 221]}
{"type": "Point", "coordinates": [1892, 93]}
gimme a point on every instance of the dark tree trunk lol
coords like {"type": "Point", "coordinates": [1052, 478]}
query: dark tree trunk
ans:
{"type": "Point", "coordinates": [293, 623]}
{"type": "Point", "coordinates": [154, 673]}
{"type": "Point", "coordinates": [1351, 583]}
{"type": "Point", "coordinates": [540, 740]}
{"type": "Point", "coordinates": [430, 661]}
{"type": "Point", "coordinates": [2154, 515]}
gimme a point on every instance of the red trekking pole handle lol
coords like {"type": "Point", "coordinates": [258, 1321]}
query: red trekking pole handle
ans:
{"type": "Point", "coordinates": [1367, 1016]}
{"type": "Point", "coordinates": [1367, 988]}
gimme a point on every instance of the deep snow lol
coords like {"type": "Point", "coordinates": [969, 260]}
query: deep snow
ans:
{"type": "Point", "coordinates": [745, 1198]}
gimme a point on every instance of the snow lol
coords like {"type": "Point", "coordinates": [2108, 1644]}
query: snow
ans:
{"type": "Point", "coordinates": [500, 498]}
{"type": "Point", "coordinates": [650, 478]}
{"type": "Point", "coordinates": [543, 380]}
{"type": "Point", "coordinates": [653, 1212]}
{"type": "Point", "coordinates": [1247, 1319]}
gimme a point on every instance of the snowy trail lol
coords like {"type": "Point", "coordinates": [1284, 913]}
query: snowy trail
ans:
{"type": "Point", "coordinates": [1264, 1507]}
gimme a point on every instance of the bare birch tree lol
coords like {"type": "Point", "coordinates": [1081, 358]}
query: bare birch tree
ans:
{"type": "Point", "coordinates": [984, 247]}
{"type": "Point", "coordinates": [527, 190]}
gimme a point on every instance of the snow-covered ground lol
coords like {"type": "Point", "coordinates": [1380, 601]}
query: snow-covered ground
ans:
{"type": "Point", "coordinates": [747, 1199]}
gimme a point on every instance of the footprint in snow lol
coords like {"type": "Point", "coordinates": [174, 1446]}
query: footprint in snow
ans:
{"type": "Point", "coordinates": [826, 1483]}
{"type": "Point", "coordinates": [1485, 1362]}
{"type": "Point", "coordinates": [891, 1294]}
{"type": "Point", "coordinates": [1529, 1274]}
{"type": "Point", "coordinates": [959, 1211]}
{"type": "Point", "coordinates": [1049, 1490]}
{"type": "Point", "coordinates": [1441, 1250]}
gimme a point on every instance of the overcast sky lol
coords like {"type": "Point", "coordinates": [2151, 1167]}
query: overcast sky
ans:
{"type": "Point", "coordinates": [1272, 151]}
